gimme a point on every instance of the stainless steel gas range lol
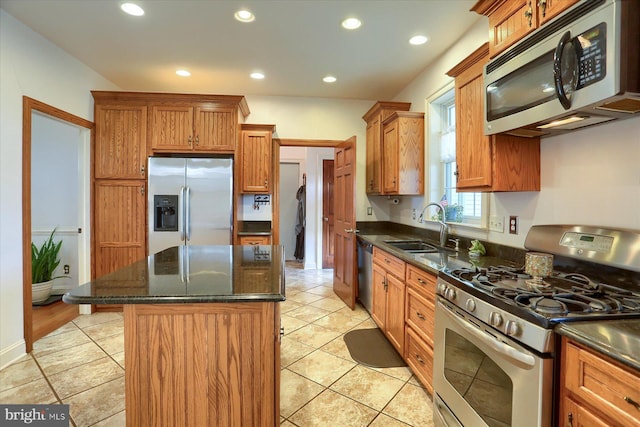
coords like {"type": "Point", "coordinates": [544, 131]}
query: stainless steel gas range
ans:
{"type": "Point", "coordinates": [495, 345]}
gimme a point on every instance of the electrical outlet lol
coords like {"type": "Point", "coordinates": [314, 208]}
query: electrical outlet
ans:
{"type": "Point", "coordinates": [513, 224]}
{"type": "Point", "coordinates": [496, 223]}
{"type": "Point", "coordinates": [413, 214]}
{"type": "Point", "coordinates": [369, 210]}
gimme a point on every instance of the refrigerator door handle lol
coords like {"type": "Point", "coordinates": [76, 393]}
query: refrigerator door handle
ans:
{"type": "Point", "coordinates": [181, 209]}
{"type": "Point", "coordinates": [187, 216]}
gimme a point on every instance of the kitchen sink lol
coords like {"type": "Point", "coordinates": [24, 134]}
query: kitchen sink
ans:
{"type": "Point", "coordinates": [412, 246]}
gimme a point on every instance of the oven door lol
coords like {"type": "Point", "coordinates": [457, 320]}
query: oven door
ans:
{"type": "Point", "coordinates": [483, 378]}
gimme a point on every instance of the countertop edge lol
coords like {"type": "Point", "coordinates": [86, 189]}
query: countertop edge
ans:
{"type": "Point", "coordinates": [591, 341]}
{"type": "Point", "coordinates": [169, 299]}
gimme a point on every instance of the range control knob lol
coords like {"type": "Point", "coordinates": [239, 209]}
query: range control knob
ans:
{"type": "Point", "coordinates": [450, 294]}
{"type": "Point", "coordinates": [495, 319]}
{"type": "Point", "coordinates": [512, 328]}
{"type": "Point", "coordinates": [471, 305]}
{"type": "Point", "coordinates": [441, 289]}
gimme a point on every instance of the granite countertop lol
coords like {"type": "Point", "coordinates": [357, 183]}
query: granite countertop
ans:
{"type": "Point", "coordinates": [618, 339]}
{"type": "Point", "coordinates": [191, 274]}
{"type": "Point", "coordinates": [435, 261]}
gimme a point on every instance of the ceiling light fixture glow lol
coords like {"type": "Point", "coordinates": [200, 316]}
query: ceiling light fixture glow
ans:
{"type": "Point", "coordinates": [257, 76]}
{"type": "Point", "coordinates": [183, 73]}
{"type": "Point", "coordinates": [418, 40]}
{"type": "Point", "coordinates": [244, 16]}
{"type": "Point", "coordinates": [132, 9]}
{"type": "Point", "coordinates": [329, 79]}
{"type": "Point", "coordinates": [351, 23]}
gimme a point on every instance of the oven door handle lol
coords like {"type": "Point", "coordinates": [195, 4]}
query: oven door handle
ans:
{"type": "Point", "coordinates": [502, 348]}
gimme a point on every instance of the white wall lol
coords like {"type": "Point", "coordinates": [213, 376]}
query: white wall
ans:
{"type": "Point", "coordinates": [31, 66]}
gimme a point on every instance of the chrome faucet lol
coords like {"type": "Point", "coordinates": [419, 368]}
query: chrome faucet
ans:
{"type": "Point", "coordinates": [444, 229]}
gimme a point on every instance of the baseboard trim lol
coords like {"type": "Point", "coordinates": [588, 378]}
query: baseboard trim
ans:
{"type": "Point", "coordinates": [12, 353]}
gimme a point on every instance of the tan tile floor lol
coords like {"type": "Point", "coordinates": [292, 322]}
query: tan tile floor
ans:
{"type": "Point", "coordinates": [82, 364]}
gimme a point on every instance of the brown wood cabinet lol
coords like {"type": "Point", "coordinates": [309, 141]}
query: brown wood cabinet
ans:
{"type": "Point", "coordinates": [193, 127]}
{"type": "Point", "coordinates": [121, 141]}
{"type": "Point", "coordinates": [374, 118]}
{"type": "Point", "coordinates": [256, 158]}
{"type": "Point", "coordinates": [119, 229]}
{"type": "Point", "coordinates": [511, 20]}
{"type": "Point", "coordinates": [488, 163]}
{"type": "Point", "coordinates": [254, 240]}
{"type": "Point", "coordinates": [403, 153]}
{"type": "Point", "coordinates": [596, 390]}
{"type": "Point", "coordinates": [226, 374]}
{"type": "Point", "coordinates": [420, 318]}
{"type": "Point", "coordinates": [388, 296]}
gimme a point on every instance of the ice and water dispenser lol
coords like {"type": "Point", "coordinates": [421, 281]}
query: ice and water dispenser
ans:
{"type": "Point", "coordinates": [165, 213]}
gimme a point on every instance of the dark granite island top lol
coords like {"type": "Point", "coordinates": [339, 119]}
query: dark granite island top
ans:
{"type": "Point", "coordinates": [201, 334]}
{"type": "Point", "coordinates": [191, 274]}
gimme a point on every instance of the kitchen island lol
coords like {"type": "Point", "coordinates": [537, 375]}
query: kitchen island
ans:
{"type": "Point", "coordinates": [202, 334]}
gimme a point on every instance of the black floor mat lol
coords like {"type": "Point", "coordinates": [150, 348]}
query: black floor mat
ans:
{"type": "Point", "coordinates": [371, 348]}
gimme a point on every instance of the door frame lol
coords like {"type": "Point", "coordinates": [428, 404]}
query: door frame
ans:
{"type": "Point", "coordinates": [29, 106]}
{"type": "Point", "coordinates": [290, 142]}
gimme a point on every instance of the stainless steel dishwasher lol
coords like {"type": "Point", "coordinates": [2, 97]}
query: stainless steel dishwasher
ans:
{"type": "Point", "coordinates": [365, 274]}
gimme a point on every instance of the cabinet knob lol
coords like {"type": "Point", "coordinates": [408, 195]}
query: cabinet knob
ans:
{"type": "Point", "coordinates": [420, 316]}
{"type": "Point", "coordinates": [190, 140]}
{"type": "Point", "coordinates": [529, 14]}
{"type": "Point", "coordinates": [419, 359]}
{"type": "Point", "coordinates": [266, 183]}
{"type": "Point", "coordinates": [142, 170]}
{"type": "Point", "coordinates": [142, 190]}
{"type": "Point", "coordinates": [197, 140]}
{"type": "Point", "coordinates": [632, 402]}
{"type": "Point", "coordinates": [542, 4]}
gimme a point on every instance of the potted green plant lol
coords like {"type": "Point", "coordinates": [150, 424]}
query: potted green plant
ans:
{"type": "Point", "coordinates": [44, 261]}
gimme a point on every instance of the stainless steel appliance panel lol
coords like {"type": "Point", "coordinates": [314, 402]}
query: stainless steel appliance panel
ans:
{"type": "Point", "coordinates": [204, 187]}
{"type": "Point", "coordinates": [365, 274]}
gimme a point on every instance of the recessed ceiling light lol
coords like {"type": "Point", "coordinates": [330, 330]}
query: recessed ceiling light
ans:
{"type": "Point", "coordinates": [244, 16]}
{"type": "Point", "coordinates": [418, 40]}
{"type": "Point", "coordinates": [257, 76]}
{"type": "Point", "coordinates": [132, 9]}
{"type": "Point", "coordinates": [351, 23]}
{"type": "Point", "coordinates": [329, 79]}
{"type": "Point", "coordinates": [183, 73]}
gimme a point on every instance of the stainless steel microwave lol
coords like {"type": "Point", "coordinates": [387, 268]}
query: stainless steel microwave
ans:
{"type": "Point", "coordinates": [580, 69]}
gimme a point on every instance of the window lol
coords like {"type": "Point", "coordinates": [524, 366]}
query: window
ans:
{"type": "Point", "coordinates": [466, 208]}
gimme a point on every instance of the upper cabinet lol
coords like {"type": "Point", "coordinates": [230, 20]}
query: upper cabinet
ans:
{"type": "Point", "coordinates": [256, 154]}
{"type": "Point", "coordinates": [488, 163]}
{"type": "Point", "coordinates": [511, 20]}
{"type": "Point", "coordinates": [193, 127]}
{"type": "Point", "coordinates": [121, 138]}
{"type": "Point", "coordinates": [403, 153]}
{"type": "Point", "coordinates": [374, 118]}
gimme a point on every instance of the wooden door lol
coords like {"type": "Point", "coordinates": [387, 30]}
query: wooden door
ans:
{"type": "Point", "coordinates": [379, 296]}
{"type": "Point", "coordinates": [172, 128]}
{"type": "Point", "coordinates": [473, 148]}
{"type": "Point", "coordinates": [345, 271]}
{"type": "Point", "coordinates": [256, 155]}
{"type": "Point", "coordinates": [390, 158]}
{"type": "Point", "coordinates": [215, 128]}
{"type": "Point", "coordinates": [121, 141]}
{"type": "Point", "coordinates": [119, 228]}
{"type": "Point", "coordinates": [395, 312]}
{"type": "Point", "coordinates": [328, 229]}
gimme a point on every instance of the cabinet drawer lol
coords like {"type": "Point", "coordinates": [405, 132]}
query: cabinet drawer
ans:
{"type": "Point", "coordinates": [420, 315]}
{"type": "Point", "coordinates": [390, 263]}
{"type": "Point", "coordinates": [419, 357]}
{"type": "Point", "coordinates": [423, 282]}
{"type": "Point", "coordinates": [603, 385]}
{"type": "Point", "coordinates": [255, 240]}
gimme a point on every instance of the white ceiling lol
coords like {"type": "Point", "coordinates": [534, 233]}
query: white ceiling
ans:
{"type": "Point", "coordinates": [294, 42]}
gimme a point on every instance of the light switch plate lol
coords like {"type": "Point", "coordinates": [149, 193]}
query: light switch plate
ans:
{"type": "Point", "coordinates": [496, 223]}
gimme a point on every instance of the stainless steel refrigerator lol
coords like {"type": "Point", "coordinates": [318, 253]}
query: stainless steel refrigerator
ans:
{"type": "Point", "coordinates": [190, 202]}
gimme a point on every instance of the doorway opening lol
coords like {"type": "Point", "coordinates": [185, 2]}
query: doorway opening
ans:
{"type": "Point", "coordinates": [56, 192]}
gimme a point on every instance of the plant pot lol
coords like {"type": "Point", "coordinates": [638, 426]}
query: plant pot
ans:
{"type": "Point", "coordinates": [40, 292]}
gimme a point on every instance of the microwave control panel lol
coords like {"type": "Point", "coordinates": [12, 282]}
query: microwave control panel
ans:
{"type": "Point", "coordinates": [592, 55]}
